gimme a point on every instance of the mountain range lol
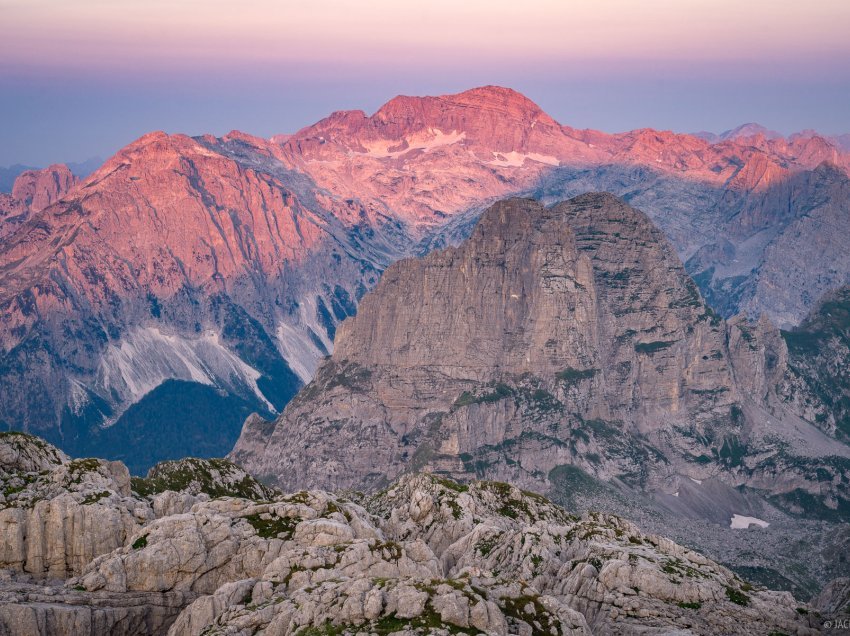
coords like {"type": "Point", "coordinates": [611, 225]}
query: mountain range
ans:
{"type": "Point", "coordinates": [192, 280]}
{"type": "Point", "coordinates": [468, 340]}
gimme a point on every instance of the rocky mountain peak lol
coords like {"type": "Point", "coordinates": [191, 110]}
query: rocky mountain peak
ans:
{"type": "Point", "coordinates": [568, 335]}
{"type": "Point", "coordinates": [32, 191]}
{"type": "Point", "coordinates": [37, 189]}
{"type": "Point", "coordinates": [152, 150]}
{"type": "Point", "coordinates": [506, 103]}
{"type": "Point", "coordinates": [582, 305]}
{"type": "Point", "coordinates": [511, 298]}
{"type": "Point", "coordinates": [491, 117]}
{"type": "Point", "coordinates": [750, 129]}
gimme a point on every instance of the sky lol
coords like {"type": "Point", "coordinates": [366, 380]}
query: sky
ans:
{"type": "Point", "coordinates": [81, 78]}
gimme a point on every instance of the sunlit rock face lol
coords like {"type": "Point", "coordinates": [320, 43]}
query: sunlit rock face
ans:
{"type": "Point", "coordinates": [32, 191]}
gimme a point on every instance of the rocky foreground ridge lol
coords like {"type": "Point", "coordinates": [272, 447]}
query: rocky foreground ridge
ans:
{"type": "Point", "coordinates": [199, 547]}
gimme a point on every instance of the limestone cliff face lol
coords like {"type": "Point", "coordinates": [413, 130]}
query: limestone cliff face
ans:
{"type": "Point", "coordinates": [589, 286]}
{"type": "Point", "coordinates": [553, 336]}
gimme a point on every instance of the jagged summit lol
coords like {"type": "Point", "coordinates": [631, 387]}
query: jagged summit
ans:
{"type": "Point", "coordinates": [495, 98]}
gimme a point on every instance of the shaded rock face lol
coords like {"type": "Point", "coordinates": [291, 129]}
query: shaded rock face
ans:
{"type": "Point", "coordinates": [795, 254]}
{"type": "Point", "coordinates": [425, 556]}
{"type": "Point", "coordinates": [819, 362]}
{"type": "Point", "coordinates": [555, 336]}
{"type": "Point", "coordinates": [834, 599]}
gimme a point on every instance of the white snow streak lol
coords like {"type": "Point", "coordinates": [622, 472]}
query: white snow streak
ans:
{"type": "Point", "coordinates": [425, 140]}
{"type": "Point", "coordinates": [516, 159]}
{"type": "Point", "coordinates": [740, 522]}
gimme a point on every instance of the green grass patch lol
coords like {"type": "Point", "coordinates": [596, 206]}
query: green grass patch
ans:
{"type": "Point", "coordinates": [653, 347]}
{"type": "Point", "coordinates": [274, 527]}
{"type": "Point", "coordinates": [737, 596]}
{"type": "Point", "coordinates": [500, 392]}
{"type": "Point", "coordinates": [572, 376]}
{"type": "Point", "coordinates": [693, 606]}
{"type": "Point", "coordinates": [95, 497]}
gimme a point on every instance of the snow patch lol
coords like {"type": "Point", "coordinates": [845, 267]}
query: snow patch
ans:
{"type": "Point", "coordinates": [426, 140]}
{"type": "Point", "coordinates": [741, 522]}
{"type": "Point", "coordinates": [516, 159]}
{"type": "Point", "coordinates": [676, 494]}
{"type": "Point", "coordinates": [146, 357]}
{"type": "Point", "coordinates": [696, 481]}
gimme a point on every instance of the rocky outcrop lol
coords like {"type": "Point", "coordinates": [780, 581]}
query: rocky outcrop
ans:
{"type": "Point", "coordinates": [426, 555]}
{"type": "Point", "coordinates": [26, 608]}
{"type": "Point", "coordinates": [210, 477]}
{"type": "Point", "coordinates": [22, 453]}
{"type": "Point", "coordinates": [485, 558]}
{"type": "Point", "coordinates": [37, 189]}
{"type": "Point", "coordinates": [56, 514]}
{"type": "Point", "coordinates": [33, 190]}
{"type": "Point", "coordinates": [568, 335]}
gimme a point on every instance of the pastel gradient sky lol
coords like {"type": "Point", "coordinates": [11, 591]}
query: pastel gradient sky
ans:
{"type": "Point", "coordinates": [84, 77]}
